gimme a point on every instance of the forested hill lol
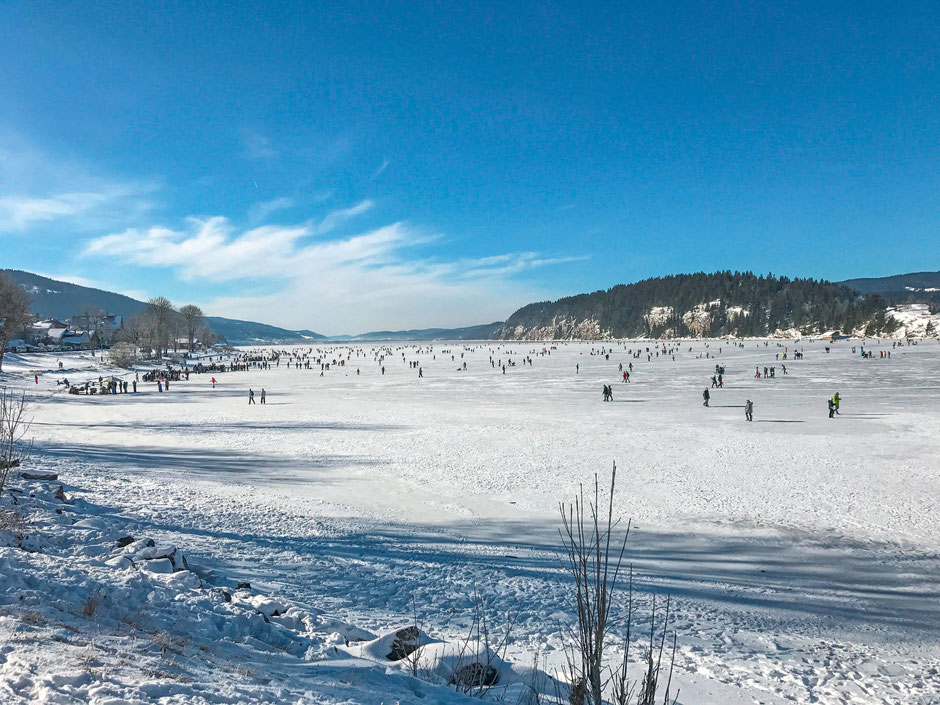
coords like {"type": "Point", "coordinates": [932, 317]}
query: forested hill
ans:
{"type": "Point", "coordinates": [686, 305]}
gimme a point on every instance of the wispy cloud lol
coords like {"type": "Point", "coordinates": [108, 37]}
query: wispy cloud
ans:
{"type": "Point", "coordinates": [382, 167]}
{"type": "Point", "coordinates": [260, 212]}
{"type": "Point", "coordinates": [256, 145]}
{"type": "Point", "coordinates": [36, 188]}
{"type": "Point", "coordinates": [371, 279]}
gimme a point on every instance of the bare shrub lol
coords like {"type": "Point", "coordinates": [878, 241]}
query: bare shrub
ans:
{"type": "Point", "coordinates": [13, 427]}
{"type": "Point", "coordinates": [594, 559]}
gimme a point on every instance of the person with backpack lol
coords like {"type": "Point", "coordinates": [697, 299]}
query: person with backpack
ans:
{"type": "Point", "coordinates": [706, 396]}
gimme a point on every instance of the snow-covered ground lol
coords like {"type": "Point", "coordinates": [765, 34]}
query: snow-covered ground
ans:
{"type": "Point", "coordinates": [801, 552]}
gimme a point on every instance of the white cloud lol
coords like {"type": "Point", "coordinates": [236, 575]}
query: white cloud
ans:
{"type": "Point", "coordinates": [369, 280]}
{"type": "Point", "coordinates": [36, 189]}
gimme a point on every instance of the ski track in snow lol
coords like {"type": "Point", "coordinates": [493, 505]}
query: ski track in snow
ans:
{"type": "Point", "coordinates": [801, 552]}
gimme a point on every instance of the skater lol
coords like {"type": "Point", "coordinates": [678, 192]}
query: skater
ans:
{"type": "Point", "coordinates": [832, 408]}
{"type": "Point", "coordinates": [263, 395]}
{"type": "Point", "coordinates": [213, 382]}
{"type": "Point", "coordinates": [835, 400]}
{"type": "Point", "coordinates": [420, 372]}
{"type": "Point", "coordinates": [714, 381]}
{"type": "Point", "coordinates": [135, 386]}
{"type": "Point", "coordinates": [705, 396]}
{"type": "Point", "coordinates": [251, 397]}
{"type": "Point", "coordinates": [749, 410]}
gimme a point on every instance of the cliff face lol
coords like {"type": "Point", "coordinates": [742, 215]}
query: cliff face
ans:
{"type": "Point", "coordinates": [559, 328]}
{"type": "Point", "coordinates": [704, 305]}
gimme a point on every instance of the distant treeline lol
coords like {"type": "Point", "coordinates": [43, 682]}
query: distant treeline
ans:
{"type": "Point", "coordinates": [746, 305]}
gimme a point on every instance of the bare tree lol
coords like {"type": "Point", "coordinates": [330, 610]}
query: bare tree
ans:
{"type": "Point", "coordinates": [94, 324]}
{"type": "Point", "coordinates": [13, 426]}
{"type": "Point", "coordinates": [207, 337]}
{"type": "Point", "coordinates": [160, 312]}
{"type": "Point", "coordinates": [123, 354]}
{"type": "Point", "coordinates": [14, 312]}
{"type": "Point", "coordinates": [193, 317]}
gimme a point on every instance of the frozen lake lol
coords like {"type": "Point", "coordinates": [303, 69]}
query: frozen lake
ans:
{"type": "Point", "coordinates": [802, 551]}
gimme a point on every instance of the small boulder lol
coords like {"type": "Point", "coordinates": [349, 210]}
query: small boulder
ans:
{"type": "Point", "coordinates": [475, 675]}
{"type": "Point", "coordinates": [159, 552]}
{"type": "Point", "coordinates": [44, 476]}
{"type": "Point", "coordinates": [243, 586]}
{"type": "Point", "coordinates": [406, 642]}
{"type": "Point", "coordinates": [125, 541]}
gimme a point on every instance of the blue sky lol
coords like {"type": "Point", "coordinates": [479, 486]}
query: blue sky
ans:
{"type": "Point", "coordinates": [355, 166]}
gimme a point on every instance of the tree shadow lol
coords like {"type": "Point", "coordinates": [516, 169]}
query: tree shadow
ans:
{"type": "Point", "coordinates": [206, 463]}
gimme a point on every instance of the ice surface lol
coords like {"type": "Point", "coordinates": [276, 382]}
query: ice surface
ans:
{"type": "Point", "coordinates": [801, 551]}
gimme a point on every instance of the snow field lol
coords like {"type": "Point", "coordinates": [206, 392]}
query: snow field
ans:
{"type": "Point", "coordinates": [801, 551]}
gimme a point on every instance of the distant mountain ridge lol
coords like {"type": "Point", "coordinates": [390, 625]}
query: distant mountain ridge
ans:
{"type": "Point", "coordinates": [683, 305]}
{"type": "Point", "coordinates": [52, 298]}
{"type": "Point", "coordinates": [916, 287]}
{"type": "Point", "coordinates": [57, 299]}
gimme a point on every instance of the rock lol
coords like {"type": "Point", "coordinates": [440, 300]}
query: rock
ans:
{"type": "Point", "coordinates": [160, 552]}
{"type": "Point", "coordinates": [125, 541]}
{"type": "Point", "coordinates": [406, 642]}
{"type": "Point", "coordinates": [60, 493]}
{"type": "Point", "coordinates": [44, 476]}
{"type": "Point", "coordinates": [243, 586]}
{"type": "Point", "coordinates": [475, 675]}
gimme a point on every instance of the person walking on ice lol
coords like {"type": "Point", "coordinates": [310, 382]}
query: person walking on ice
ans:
{"type": "Point", "coordinates": [263, 395]}
{"type": "Point", "coordinates": [749, 410]}
{"type": "Point", "coordinates": [832, 407]}
{"type": "Point", "coordinates": [251, 397]}
{"type": "Point", "coordinates": [705, 396]}
{"type": "Point", "coordinates": [835, 401]}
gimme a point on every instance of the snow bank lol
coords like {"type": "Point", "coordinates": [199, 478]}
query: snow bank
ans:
{"type": "Point", "coordinates": [90, 613]}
